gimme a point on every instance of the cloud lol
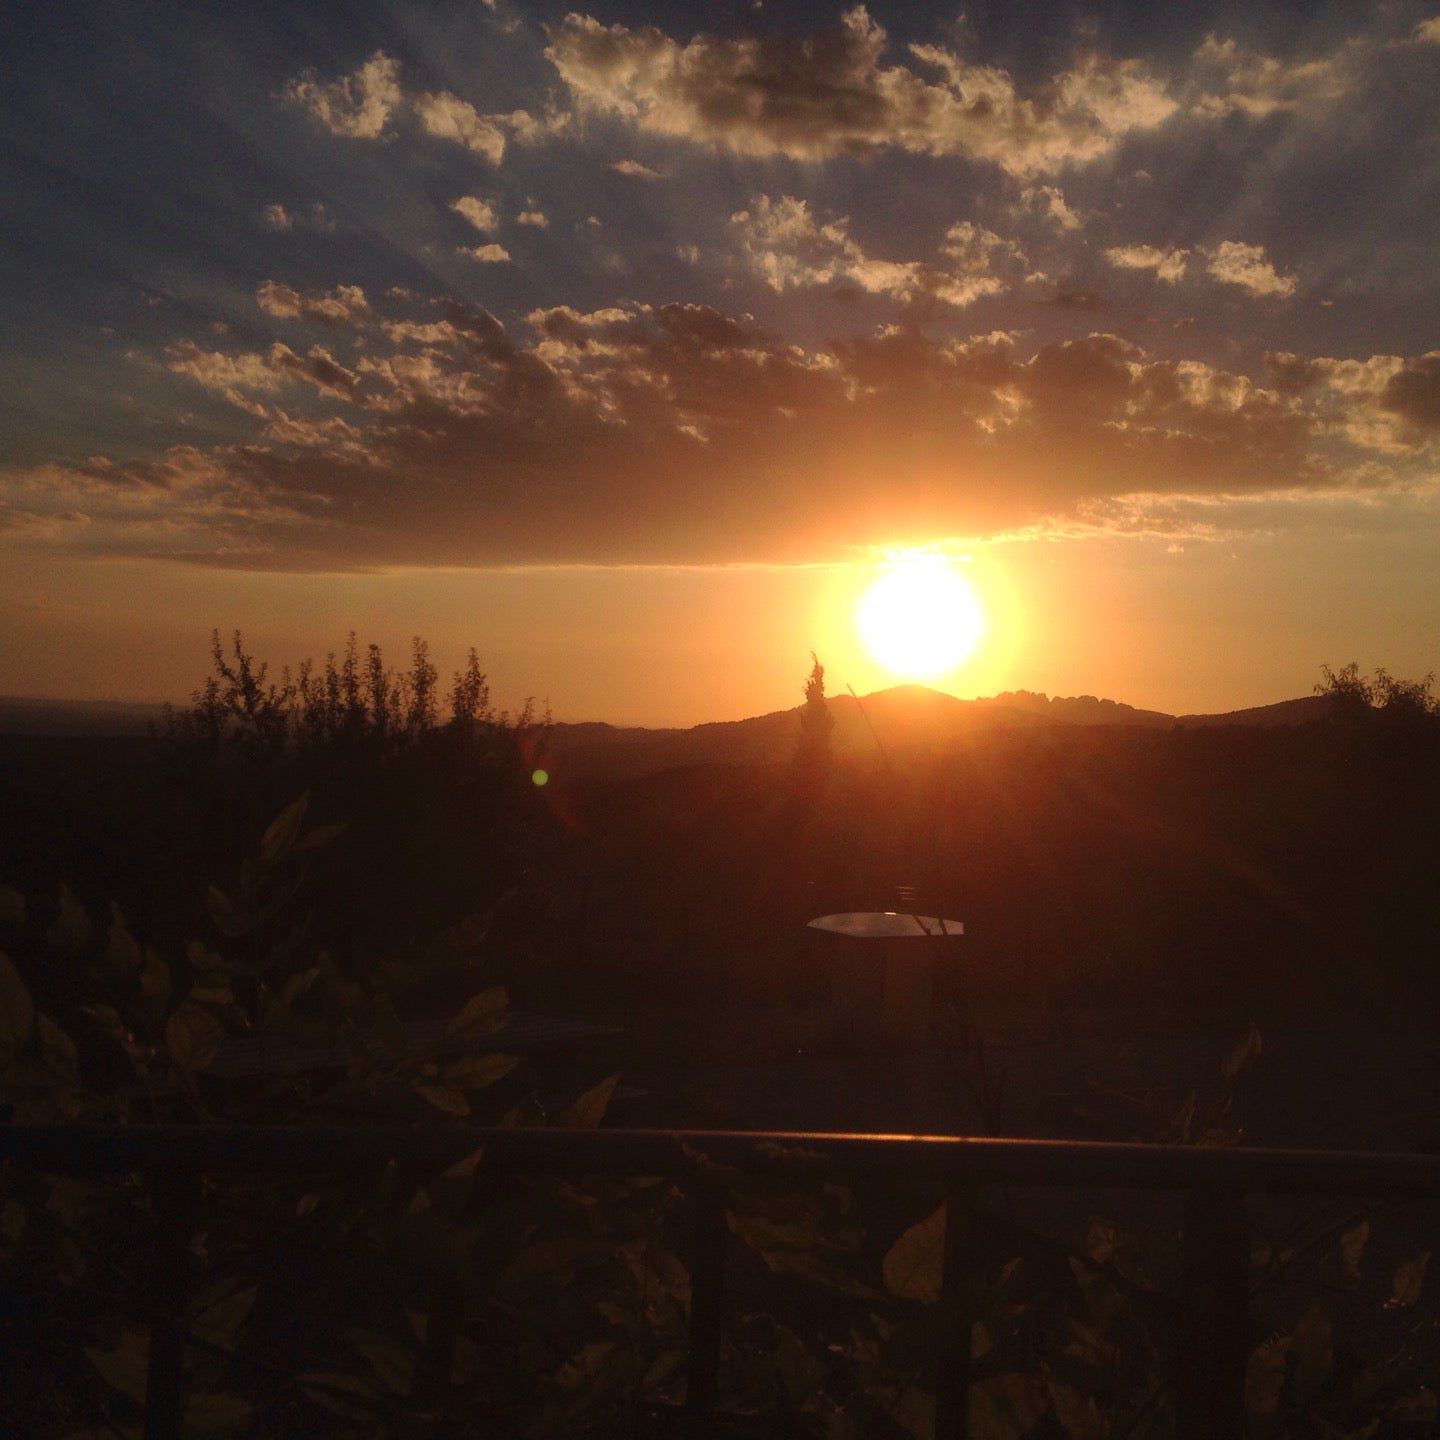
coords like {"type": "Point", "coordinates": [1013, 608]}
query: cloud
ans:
{"type": "Point", "coordinates": [344, 305]}
{"type": "Point", "coordinates": [1427, 32]}
{"type": "Point", "coordinates": [1389, 404]}
{"type": "Point", "coordinates": [453, 438]}
{"type": "Point", "coordinates": [1234, 263]}
{"type": "Point", "coordinates": [480, 213]}
{"type": "Point", "coordinates": [787, 247]}
{"type": "Point", "coordinates": [830, 93]}
{"type": "Point", "coordinates": [448, 117]}
{"type": "Point", "coordinates": [975, 258]}
{"type": "Point", "coordinates": [1413, 391]}
{"type": "Point", "coordinates": [365, 104]}
{"type": "Point", "coordinates": [486, 254]}
{"type": "Point", "coordinates": [358, 105]}
{"type": "Point", "coordinates": [238, 378]}
{"type": "Point", "coordinates": [533, 217]}
{"type": "Point", "coordinates": [1047, 202]}
{"type": "Point", "coordinates": [635, 170]}
{"type": "Point", "coordinates": [1232, 79]}
{"type": "Point", "coordinates": [241, 377]}
{"type": "Point", "coordinates": [1168, 264]}
{"type": "Point", "coordinates": [332, 435]}
{"type": "Point", "coordinates": [318, 367]}
{"type": "Point", "coordinates": [186, 503]}
{"type": "Point", "coordinates": [284, 219]}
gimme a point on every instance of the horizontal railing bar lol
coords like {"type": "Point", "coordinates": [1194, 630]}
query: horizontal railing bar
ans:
{"type": "Point", "coordinates": [952, 1159]}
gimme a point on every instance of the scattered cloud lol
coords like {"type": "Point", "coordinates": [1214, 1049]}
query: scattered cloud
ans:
{"type": "Point", "coordinates": [365, 104]}
{"type": "Point", "coordinates": [314, 216]}
{"type": "Point", "coordinates": [783, 442]}
{"type": "Point", "coordinates": [1413, 392]}
{"type": "Point", "coordinates": [1232, 262]}
{"type": "Point", "coordinates": [831, 93]}
{"type": "Point", "coordinates": [385, 423]}
{"type": "Point", "coordinates": [447, 117]}
{"type": "Point", "coordinates": [480, 213]}
{"type": "Point", "coordinates": [787, 247]}
{"type": "Point", "coordinates": [358, 105]}
{"type": "Point", "coordinates": [344, 305]}
{"type": "Point", "coordinates": [1231, 79]}
{"type": "Point", "coordinates": [635, 170]}
{"type": "Point", "coordinates": [1168, 264]}
{"type": "Point", "coordinates": [486, 254]}
{"type": "Point", "coordinates": [238, 378]}
{"type": "Point", "coordinates": [1047, 202]}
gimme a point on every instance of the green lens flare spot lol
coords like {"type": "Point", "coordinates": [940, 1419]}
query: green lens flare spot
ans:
{"type": "Point", "coordinates": [539, 777]}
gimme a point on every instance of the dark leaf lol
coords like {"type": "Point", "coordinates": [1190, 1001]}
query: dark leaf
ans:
{"type": "Point", "coordinates": [193, 1036]}
{"type": "Point", "coordinates": [481, 1013]}
{"type": "Point", "coordinates": [284, 828]}
{"type": "Point", "coordinates": [229, 918]}
{"type": "Point", "coordinates": [588, 1110]}
{"type": "Point", "coordinates": [70, 931]}
{"type": "Point", "coordinates": [17, 1010]}
{"type": "Point", "coordinates": [914, 1264]}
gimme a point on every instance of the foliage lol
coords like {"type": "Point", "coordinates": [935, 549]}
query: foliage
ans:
{"type": "Point", "coordinates": [150, 1029]}
{"type": "Point", "coordinates": [363, 1305]}
{"type": "Point", "coordinates": [435, 804]}
{"type": "Point", "coordinates": [1381, 695]}
{"type": "Point", "coordinates": [812, 760]}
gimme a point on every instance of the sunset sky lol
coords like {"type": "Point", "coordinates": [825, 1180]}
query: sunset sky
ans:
{"type": "Point", "coordinates": [624, 342]}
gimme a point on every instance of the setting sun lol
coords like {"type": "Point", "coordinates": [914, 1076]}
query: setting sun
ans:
{"type": "Point", "coordinates": [921, 617]}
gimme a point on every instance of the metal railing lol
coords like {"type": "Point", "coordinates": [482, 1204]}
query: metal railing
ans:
{"type": "Point", "coordinates": [1213, 1346]}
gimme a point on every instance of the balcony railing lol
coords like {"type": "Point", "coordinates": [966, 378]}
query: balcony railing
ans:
{"type": "Point", "coordinates": [1214, 1182]}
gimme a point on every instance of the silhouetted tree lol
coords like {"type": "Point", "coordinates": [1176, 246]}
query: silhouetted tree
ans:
{"type": "Point", "coordinates": [811, 765]}
{"type": "Point", "coordinates": [1381, 696]}
{"type": "Point", "coordinates": [1348, 690]}
{"type": "Point", "coordinates": [435, 803]}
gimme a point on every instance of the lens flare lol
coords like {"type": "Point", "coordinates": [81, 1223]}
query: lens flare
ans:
{"type": "Point", "coordinates": [921, 618]}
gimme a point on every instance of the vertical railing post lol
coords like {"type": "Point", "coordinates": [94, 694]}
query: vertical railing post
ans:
{"type": "Point", "coordinates": [707, 1291]}
{"type": "Point", "coordinates": [952, 1374]}
{"type": "Point", "coordinates": [1210, 1382]}
{"type": "Point", "coordinates": [173, 1192]}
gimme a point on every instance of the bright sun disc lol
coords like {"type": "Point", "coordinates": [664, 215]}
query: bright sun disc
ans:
{"type": "Point", "coordinates": [920, 618]}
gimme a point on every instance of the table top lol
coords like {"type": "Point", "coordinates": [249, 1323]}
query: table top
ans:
{"type": "Point", "coordinates": [888, 925]}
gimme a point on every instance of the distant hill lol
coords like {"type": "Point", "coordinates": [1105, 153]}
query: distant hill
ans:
{"type": "Point", "coordinates": [77, 717]}
{"type": "Point", "coordinates": [906, 717]}
{"type": "Point", "coordinates": [1284, 712]}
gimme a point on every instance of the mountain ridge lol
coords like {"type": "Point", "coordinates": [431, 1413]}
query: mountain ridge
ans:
{"type": "Point", "coordinates": [902, 717]}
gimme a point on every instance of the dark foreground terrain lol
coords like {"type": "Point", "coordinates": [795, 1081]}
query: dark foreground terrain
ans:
{"type": "Point", "coordinates": [1201, 935]}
